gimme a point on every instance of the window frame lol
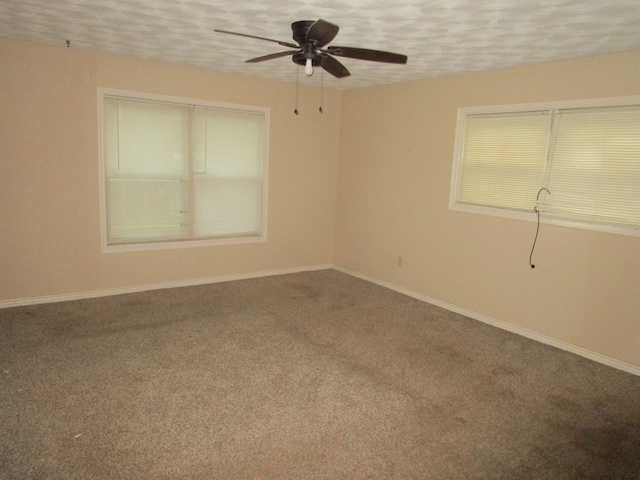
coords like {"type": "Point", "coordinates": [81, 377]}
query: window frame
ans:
{"type": "Point", "coordinates": [530, 215]}
{"type": "Point", "coordinates": [105, 247]}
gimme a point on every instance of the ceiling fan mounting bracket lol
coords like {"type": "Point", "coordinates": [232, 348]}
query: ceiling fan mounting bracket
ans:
{"type": "Point", "coordinates": [300, 29]}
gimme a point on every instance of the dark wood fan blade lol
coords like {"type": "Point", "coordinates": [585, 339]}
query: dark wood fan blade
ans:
{"type": "Point", "coordinates": [322, 32]}
{"type": "Point", "coordinates": [284, 44]}
{"type": "Point", "coordinates": [334, 67]}
{"type": "Point", "coordinates": [271, 56]}
{"type": "Point", "coordinates": [366, 54]}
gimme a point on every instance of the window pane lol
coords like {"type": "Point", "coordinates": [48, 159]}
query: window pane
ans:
{"type": "Point", "coordinates": [503, 159]}
{"type": "Point", "coordinates": [595, 165]}
{"type": "Point", "coordinates": [146, 151]}
{"type": "Point", "coordinates": [228, 172]}
{"type": "Point", "coordinates": [146, 209]}
{"type": "Point", "coordinates": [591, 169]}
{"type": "Point", "coordinates": [179, 171]}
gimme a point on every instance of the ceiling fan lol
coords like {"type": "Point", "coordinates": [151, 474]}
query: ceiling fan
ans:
{"type": "Point", "coordinates": [311, 50]}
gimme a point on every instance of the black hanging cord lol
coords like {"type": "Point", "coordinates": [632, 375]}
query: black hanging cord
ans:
{"type": "Point", "coordinates": [535, 209]}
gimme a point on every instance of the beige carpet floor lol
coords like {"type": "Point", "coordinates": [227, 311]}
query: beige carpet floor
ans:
{"type": "Point", "coordinates": [314, 375]}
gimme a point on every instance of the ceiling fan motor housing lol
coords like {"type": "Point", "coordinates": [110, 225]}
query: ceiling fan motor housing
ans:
{"type": "Point", "coordinates": [300, 30]}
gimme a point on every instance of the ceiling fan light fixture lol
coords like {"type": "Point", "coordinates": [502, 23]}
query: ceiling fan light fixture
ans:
{"type": "Point", "coordinates": [308, 67]}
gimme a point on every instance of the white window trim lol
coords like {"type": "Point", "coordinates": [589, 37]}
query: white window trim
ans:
{"type": "Point", "coordinates": [521, 107]}
{"type": "Point", "coordinates": [171, 245]}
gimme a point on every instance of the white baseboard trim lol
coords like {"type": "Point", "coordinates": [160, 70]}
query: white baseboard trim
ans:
{"type": "Point", "coordinates": [554, 342]}
{"type": "Point", "coordinates": [583, 352]}
{"type": "Point", "coordinates": [155, 286]}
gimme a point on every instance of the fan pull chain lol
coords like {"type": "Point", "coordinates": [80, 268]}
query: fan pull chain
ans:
{"type": "Point", "coordinates": [321, 90]}
{"type": "Point", "coordinates": [297, 89]}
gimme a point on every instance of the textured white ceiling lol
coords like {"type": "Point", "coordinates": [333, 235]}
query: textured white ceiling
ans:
{"type": "Point", "coordinates": [440, 37]}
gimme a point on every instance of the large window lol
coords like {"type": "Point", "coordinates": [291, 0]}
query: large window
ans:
{"type": "Point", "coordinates": [178, 172]}
{"type": "Point", "coordinates": [577, 163]}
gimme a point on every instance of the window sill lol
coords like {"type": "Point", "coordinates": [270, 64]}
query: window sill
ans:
{"type": "Point", "coordinates": [173, 245]}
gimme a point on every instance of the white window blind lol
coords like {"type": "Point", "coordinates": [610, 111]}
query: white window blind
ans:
{"type": "Point", "coordinates": [175, 172]}
{"type": "Point", "coordinates": [594, 168]}
{"type": "Point", "coordinates": [588, 158]}
{"type": "Point", "coordinates": [503, 159]}
{"type": "Point", "coordinates": [228, 172]}
{"type": "Point", "coordinates": [147, 162]}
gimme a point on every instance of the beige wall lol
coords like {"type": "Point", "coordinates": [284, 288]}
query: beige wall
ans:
{"type": "Point", "coordinates": [394, 178]}
{"type": "Point", "coordinates": [49, 240]}
{"type": "Point", "coordinates": [385, 152]}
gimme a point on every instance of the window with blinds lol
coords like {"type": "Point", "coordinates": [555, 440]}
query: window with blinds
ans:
{"type": "Point", "coordinates": [586, 156]}
{"type": "Point", "coordinates": [178, 173]}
